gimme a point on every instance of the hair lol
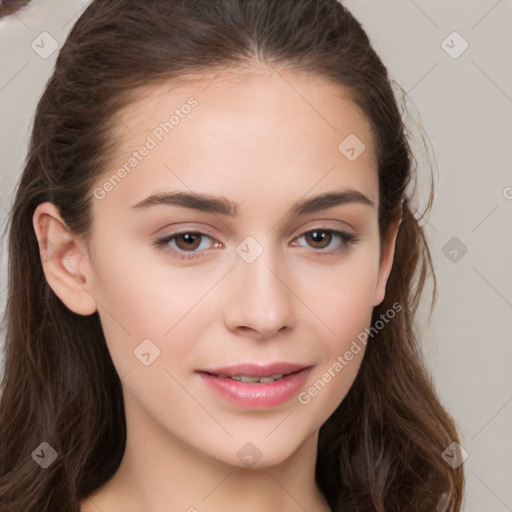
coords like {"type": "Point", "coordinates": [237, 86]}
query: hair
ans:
{"type": "Point", "coordinates": [8, 7]}
{"type": "Point", "coordinates": [381, 448]}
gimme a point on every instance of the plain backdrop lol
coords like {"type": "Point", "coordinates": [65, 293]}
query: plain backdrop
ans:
{"type": "Point", "coordinates": [454, 62]}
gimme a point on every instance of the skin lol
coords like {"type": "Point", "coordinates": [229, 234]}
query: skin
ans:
{"type": "Point", "coordinates": [264, 138]}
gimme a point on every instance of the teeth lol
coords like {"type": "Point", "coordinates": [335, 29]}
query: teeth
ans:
{"type": "Point", "coordinates": [249, 380]}
{"type": "Point", "coordinates": [272, 378]}
{"type": "Point", "coordinates": [253, 380]}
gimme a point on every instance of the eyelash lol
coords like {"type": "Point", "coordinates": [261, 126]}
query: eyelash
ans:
{"type": "Point", "coordinates": [348, 241]}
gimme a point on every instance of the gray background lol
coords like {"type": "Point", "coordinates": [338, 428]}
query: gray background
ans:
{"type": "Point", "coordinates": [465, 106]}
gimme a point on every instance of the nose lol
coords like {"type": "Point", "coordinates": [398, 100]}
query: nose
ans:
{"type": "Point", "coordinates": [260, 303]}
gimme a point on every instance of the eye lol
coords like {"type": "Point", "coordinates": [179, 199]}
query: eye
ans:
{"type": "Point", "coordinates": [190, 244]}
{"type": "Point", "coordinates": [320, 239]}
{"type": "Point", "coordinates": [186, 242]}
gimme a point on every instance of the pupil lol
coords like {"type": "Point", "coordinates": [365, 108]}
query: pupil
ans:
{"type": "Point", "coordinates": [190, 240]}
{"type": "Point", "coordinates": [319, 236]}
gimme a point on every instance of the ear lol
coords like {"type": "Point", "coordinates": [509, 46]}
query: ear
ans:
{"type": "Point", "coordinates": [386, 260]}
{"type": "Point", "coordinates": [64, 258]}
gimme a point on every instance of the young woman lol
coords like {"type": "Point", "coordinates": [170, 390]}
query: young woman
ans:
{"type": "Point", "coordinates": [214, 270]}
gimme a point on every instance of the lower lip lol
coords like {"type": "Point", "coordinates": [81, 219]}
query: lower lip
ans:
{"type": "Point", "coordinates": [257, 395]}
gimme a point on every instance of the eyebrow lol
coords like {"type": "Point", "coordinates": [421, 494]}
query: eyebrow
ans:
{"type": "Point", "coordinates": [223, 206]}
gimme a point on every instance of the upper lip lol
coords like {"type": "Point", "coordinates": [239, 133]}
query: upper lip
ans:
{"type": "Point", "coordinates": [256, 369]}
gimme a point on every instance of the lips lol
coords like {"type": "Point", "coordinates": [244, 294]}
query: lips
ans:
{"type": "Point", "coordinates": [253, 380]}
{"type": "Point", "coordinates": [256, 385]}
{"type": "Point", "coordinates": [256, 370]}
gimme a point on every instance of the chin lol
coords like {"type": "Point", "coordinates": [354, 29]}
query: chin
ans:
{"type": "Point", "coordinates": [260, 453]}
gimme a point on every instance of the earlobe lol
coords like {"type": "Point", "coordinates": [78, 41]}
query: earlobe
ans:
{"type": "Point", "coordinates": [64, 259]}
{"type": "Point", "coordinates": [386, 260]}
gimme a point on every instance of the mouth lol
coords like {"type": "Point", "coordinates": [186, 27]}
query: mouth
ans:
{"type": "Point", "coordinates": [256, 370]}
{"type": "Point", "coordinates": [256, 385]}
{"type": "Point", "coordinates": [246, 379]}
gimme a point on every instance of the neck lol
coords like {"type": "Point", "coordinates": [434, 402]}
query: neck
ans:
{"type": "Point", "coordinates": [160, 472]}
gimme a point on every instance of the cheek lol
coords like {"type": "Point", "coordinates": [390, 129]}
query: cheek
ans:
{"type": "Point", "coordinates": [142, 297]}
{"type": "Point", "coordinates": [347, 311]}
{"type": "Point", "coordinates": [342, 295]}
{"type": "Point", "coordinates": [343, 299]}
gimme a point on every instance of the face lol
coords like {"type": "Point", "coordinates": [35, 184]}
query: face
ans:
{"type": "Point", "coordinates": [234, 267]}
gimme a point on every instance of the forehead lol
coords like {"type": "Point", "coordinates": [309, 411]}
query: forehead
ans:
{"type": "Point", "coordinates": [246, 126]}
{"type": "Point", "coordinates": [246, 91]}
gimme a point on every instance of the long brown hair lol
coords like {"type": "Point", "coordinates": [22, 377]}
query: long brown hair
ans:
{"type": "Point", "coordinates": [381, 449]}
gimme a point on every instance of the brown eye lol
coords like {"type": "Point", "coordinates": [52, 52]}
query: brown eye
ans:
{"type": "Point", "coordinates": [319, 239]}
{"type": "Point", "coordinates": [188, 241]}
{"type": "Point", "coordinates": [187, 244]}
{"type": "Point", "coordinates": [328, 242]}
